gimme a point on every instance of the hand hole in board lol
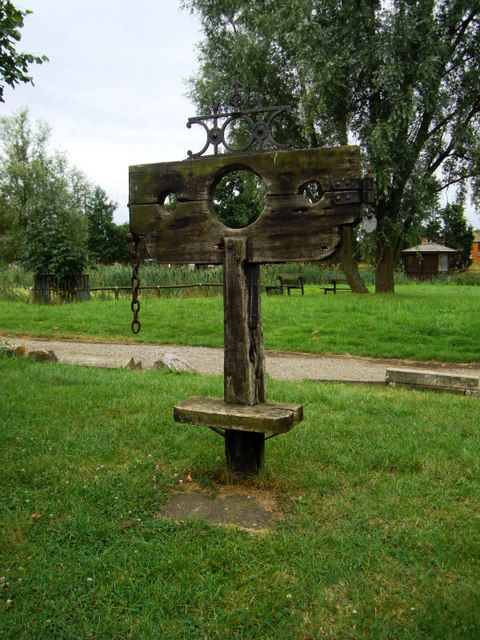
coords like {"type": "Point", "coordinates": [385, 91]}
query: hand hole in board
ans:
{"type": "Point", "coordinates": [239, 198]}
{"type": "Point", "coordinates": [169, 202]}
{"type": "Point", "coordinates": [312, 191]}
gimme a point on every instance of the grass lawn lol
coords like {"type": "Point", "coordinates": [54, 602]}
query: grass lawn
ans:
{"type": "Point", "coordinates": [379, 539]}
{"type": "Point", "coordinates": [419, 322]}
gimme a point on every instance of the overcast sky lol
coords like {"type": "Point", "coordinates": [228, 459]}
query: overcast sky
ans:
{"type": "Point", "coordinates": [113, 91]}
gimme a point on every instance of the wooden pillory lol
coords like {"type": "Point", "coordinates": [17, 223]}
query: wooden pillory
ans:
{"type": "Point", "coordinates": [289, 229]}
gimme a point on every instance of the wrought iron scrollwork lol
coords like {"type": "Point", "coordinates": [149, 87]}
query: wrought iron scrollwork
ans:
{"type": "Point", "coordinates": [258, 120]}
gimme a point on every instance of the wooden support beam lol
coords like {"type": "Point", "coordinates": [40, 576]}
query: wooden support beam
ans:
{"type": "Point", "coordinates": [289, 229]}
{"type": "Point", "coordinates": [244, 451]}
{"type": "Point", "coordinates": [244, 359]}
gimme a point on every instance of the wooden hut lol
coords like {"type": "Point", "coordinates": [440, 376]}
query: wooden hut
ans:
{"type": "Point", "coordinates": [476, 248]}
{"type": "Point", "coordinates": [427, 260]}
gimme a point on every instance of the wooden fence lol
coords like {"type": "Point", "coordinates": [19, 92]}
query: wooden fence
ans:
{"type": "Point", "coordinates": [158, 288]}
{"type": "Point", "coordinates": [48, 288]}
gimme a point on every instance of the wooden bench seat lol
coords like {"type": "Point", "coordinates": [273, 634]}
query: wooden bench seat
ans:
{"type": "Point", "coordinates": [284, 279]}
{"type": "Point", "coordinates": [333, 285]}
{"type": "Point", "coordinates": [267, 417]}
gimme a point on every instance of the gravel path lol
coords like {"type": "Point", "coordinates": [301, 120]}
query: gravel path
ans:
{"type": "Point", "coordinates": [209, 361]}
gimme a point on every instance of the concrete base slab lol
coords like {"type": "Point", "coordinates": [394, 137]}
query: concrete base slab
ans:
{"type": "Point", "coordinates": [90, 360]}
{"type": "Point", "coordinates": [433, 381]}
{"type": "Point", "coordinates": [251, 509]}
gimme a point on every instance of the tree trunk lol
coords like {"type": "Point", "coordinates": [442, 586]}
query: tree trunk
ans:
{"type": "Point", "coordinates": [349, 264]}
{"type": "Point", "coordinates": [386, 259]}
{"type": "Point", "coordinates": [347, 259]}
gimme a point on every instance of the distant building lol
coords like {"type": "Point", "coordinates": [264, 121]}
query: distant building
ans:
{"type": "Point", "coordinates": [427, 260]}
{"type": "Point", "coordinates": [476, 247]}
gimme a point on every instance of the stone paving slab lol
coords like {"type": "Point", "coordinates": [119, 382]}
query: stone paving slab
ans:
{"type": "Point", "coordinates": [243, 507]}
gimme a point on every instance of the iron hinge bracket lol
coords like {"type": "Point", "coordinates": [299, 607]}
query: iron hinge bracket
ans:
{"type": "Point", "coordinates": [352, 191]}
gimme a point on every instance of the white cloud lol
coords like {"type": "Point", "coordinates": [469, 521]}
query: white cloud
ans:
{"type": "Point", "coordinates": [113, 91]}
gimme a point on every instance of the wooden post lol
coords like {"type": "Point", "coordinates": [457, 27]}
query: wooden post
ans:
{"type": "Point", "coordinates": [244, 354]}
{"type": "Point", "coordinates": [244, 451]}
{"type": "Point", "coordinates": [244, 359]}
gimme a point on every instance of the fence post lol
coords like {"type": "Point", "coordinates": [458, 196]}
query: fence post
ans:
{"type": "Point", "coordinates": [116, 293]}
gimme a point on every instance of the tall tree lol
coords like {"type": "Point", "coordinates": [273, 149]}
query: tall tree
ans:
{"type": "Point", "coordinates": [51, 216]}
{"type": "Point", "coordinates": [13, 65]}
{"type": "Point", "coordinates": [43, 225]}
{"type": "Point", "coordinates": [22, 166]}
{"type": "Point", "coordinates": [106, 240]}
{"type": "Point", "coordinates": [399, 77]}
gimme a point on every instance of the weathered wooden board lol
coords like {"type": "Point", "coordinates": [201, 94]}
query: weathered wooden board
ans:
{"type": "Point", "coordinates": [269, 417]}
{"type": "Point", "coordinates": [288, 230]}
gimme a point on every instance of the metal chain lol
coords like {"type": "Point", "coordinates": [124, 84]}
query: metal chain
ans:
{"type": "Point", "coordinates": [135, 255]}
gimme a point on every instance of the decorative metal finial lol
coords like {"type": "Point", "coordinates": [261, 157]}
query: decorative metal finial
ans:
{"type": "Point", "coordinates": [258, 121]}
{"type": "Point", "coordinates": [238, 99]}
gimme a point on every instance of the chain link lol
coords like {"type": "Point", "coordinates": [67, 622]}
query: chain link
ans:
{"type": "Point", "coordinates": [135, 255]}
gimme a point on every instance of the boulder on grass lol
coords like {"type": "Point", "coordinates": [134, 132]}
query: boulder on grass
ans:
{"type": "Point", "coordinates": [15, 352]}
{"type": "Point", "coordinates": [43, 355]}
{"type": "Point", "coordinates": [174, 363]}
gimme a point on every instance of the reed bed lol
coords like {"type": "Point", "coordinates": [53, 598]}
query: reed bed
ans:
{"type": "Point", "coordinates": [15, 282]}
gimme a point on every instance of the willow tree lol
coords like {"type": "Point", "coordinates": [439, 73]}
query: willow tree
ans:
{"type": "Point", "coordinates": [401, 78]}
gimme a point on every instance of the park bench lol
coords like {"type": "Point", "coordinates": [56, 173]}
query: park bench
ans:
{"type": "Point", "coordinates": [285, 278]}
{"type": "Point", "coordinates": [333, 285]}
